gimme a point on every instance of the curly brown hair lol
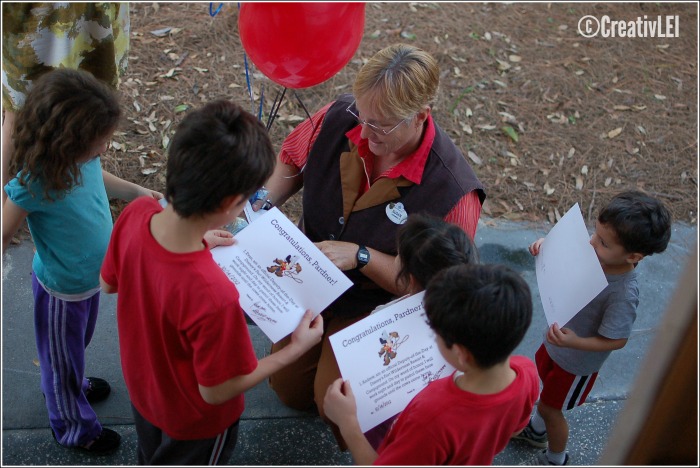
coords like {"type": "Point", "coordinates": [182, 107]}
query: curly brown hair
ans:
{"type": "Point", "coordinates": [66, 113]}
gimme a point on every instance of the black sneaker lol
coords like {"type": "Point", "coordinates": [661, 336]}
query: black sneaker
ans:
{"type": "Point", "coordinates": [97, 390]}
{"type": "Point", "coordinates": [107, 442]}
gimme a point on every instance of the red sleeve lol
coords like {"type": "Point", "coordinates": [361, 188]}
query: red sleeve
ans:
{"type": "Point", "coordinates": [110, 265]}
{"type": "Point", "coordinates": [108, 270]}
{"type": "Point", "coordinates": [466, 213]}
{"type": "Point", "coordinates": [296, 147]}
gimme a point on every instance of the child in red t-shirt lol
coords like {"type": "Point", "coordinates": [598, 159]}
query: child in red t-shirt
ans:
{"type": "Point", "coordinates": [479, 313]}
{"type": "Point", "coordinates": [186, 353]}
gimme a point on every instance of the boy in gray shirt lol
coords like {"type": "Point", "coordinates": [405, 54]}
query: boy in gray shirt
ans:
{"type": "Point", "coordinates": [633, 225]}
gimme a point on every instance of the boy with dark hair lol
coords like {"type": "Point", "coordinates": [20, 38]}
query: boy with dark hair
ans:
{"type": "Point", "coordinates": [633, 225]}
{"type": "Point", "coordinates": [479, 313]}
{"type": "Point", "coordinates": [186, 353]}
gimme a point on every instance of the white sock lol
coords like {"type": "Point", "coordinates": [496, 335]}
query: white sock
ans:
{"type": "Point", "coordinates": [537, 423]}
{"type": "Point", "coordinates": [557, 458]}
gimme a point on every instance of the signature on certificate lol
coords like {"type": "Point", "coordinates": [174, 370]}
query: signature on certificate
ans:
{"type": "Point", "coordinates": [429, 376]}
{"type": "Point", "coordinates": [259, 311]}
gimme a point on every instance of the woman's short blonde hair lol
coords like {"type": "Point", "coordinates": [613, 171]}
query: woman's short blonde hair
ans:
{"type": "Point", "coordinates": [401, 78]}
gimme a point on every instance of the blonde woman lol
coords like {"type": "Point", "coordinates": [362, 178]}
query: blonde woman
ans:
{"type": "Point", "coordinates": [366, 161]}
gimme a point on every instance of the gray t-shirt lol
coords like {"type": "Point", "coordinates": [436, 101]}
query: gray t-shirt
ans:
{"type": "Point", "coordinates": [611, 315]}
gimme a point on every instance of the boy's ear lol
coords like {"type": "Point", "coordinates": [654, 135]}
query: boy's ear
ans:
{"type": "Point", "coordinates": [463, 355]}
{"type": "Point", "coordinates": [634, 258]}
{"type": "Point", "coordinates": [232, 202]}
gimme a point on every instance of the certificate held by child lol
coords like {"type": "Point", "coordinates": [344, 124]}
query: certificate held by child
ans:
{"type": "Point", "coordinates": [279, 273]}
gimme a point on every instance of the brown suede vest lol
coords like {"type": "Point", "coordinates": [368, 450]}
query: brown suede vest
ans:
{"type": "Point", "coordinates": [332, 211]}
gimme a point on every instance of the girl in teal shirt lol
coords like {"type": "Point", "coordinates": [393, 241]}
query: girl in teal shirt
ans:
{"type": "Point", "coordinates": [62, 191]}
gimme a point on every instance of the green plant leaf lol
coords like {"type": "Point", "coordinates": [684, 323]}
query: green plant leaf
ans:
{"type": "Point", "coordinates": [465, 91]}
{"type": "Point", "coordinates": [510, 131]}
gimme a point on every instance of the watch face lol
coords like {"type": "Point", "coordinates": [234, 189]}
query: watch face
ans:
{"type": "Point", "coordinates": [362, 256]}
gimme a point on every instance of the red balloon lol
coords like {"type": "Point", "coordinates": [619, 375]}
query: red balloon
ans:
{"type": "Point", "coordinates": [298, 45]}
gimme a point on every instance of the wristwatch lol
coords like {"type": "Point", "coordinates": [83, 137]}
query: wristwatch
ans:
{"type": "Point", "coordinates": [362, 257]}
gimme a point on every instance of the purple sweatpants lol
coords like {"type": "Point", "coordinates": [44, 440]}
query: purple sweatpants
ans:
{"type": "Point", "coordinates": [63, 329]}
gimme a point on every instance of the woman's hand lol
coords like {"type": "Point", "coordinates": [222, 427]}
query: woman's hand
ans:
{"type": "Point", "coordinates": [342, 254]}
{"type": "Point", "coordinates": [257, 204]}
{"type": "Point", "coordinates": [382, 268]}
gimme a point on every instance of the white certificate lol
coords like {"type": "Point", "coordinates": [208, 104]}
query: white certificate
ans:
{"type": "Point", "coordinates": [389, 357]}
{"type": "Point", "coordinates": [279, 274]}
{"type": "Point", "coordinates": [569, 274]}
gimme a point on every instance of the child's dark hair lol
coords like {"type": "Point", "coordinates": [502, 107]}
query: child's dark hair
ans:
{"type": "Point", "coordinates": [642, 223]}
{"type": "Point", "coordinates": [219, 150]}
{"type": "Point", "coordinates": [485, 308]}
{"type": "Point", "coordinates": [66, 113]}
{"type": "Point", "coordinates": [427, 244]}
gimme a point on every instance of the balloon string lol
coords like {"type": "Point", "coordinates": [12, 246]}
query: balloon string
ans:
{"type": "Point", "coordinates": [262, 99]}
{"type": "Point", "coordinates": [247, 80]}
{"type": "Point", "coordinates": [247, 74]}
{"type": "Point", "coordinates": [275, 108]}
{"type": "Point", "coordinates": [305, 111]}
{"type": "Point", "coordinates": [214, 13]}
{"type": "Point", "coordinates": [313, 127]}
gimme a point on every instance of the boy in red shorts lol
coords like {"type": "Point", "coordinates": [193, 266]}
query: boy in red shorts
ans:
{"type": "Point", "coordinates": [633, 225]}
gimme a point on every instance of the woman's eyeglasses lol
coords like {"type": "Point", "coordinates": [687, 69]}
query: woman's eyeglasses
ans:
{"type": "Point", "coordinates": [372, 127]}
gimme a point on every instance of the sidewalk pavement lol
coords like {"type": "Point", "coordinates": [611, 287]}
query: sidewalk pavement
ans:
{"type": "Point", "coordinates": [271, 434]}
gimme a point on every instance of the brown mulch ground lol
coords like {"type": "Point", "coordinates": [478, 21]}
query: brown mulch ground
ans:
{"type": "Point", "coordinates": [591, 116]}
